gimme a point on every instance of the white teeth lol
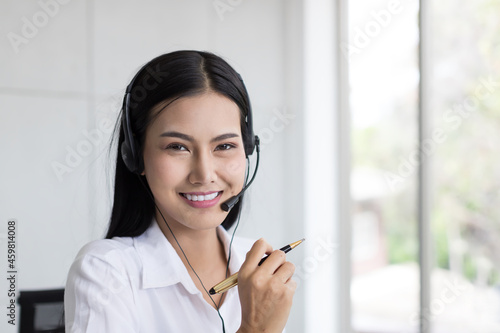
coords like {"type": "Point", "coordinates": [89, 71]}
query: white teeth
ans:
{"type": "Point", "coordinates": [201, 197]}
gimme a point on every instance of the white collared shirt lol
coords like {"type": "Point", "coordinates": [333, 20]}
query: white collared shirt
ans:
{"type": "Point", "coordinates": [139, 284]}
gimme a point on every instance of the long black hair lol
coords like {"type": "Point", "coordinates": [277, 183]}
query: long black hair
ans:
{"type": "Point", "coordinates": [169, 76]}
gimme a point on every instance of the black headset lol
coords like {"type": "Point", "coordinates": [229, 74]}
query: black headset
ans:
{"type": "Point", "coordinates": [130, 150]}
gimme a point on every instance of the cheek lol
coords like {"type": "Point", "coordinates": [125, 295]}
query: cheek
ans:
{"type": "Point", "coordinates": [164, 172]}
{"type": "Point", "coordinates": [235, 169]}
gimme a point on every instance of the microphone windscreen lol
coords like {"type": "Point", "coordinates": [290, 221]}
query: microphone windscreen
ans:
{"type": "Point", "coordinates": [228, 204]}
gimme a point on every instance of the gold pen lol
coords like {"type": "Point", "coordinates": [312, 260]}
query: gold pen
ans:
{"type": "Point", "coordinates": [233, 279]}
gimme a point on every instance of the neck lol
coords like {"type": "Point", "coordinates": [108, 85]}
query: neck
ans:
{"type": "Point", "coordinates": [206, 256]}
{"type": "Point", "coordinates": [202, 247]}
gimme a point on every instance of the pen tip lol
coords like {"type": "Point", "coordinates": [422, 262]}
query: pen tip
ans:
{"type": "Point", "coordinates": [303, 239]}
{"type": "Point", "coordinates": [211, 291]}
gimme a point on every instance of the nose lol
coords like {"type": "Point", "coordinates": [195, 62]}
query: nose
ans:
{"type": "Point", "coordinates": [203, 169]}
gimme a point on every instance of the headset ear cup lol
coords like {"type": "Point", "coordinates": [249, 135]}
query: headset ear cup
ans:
{"type": "Point", "coordinates": [127, 157]}
{"type": "Point", "coordinates": [249, 137]}
{"type": "Point", "coordinates": [250, 144]}
{"type": "Point", "coordinates": [134, 164]}
{"type": "Point", "coordinates": [139, 161]}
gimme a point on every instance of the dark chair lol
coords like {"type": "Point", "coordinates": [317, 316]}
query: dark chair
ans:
{"type": "Point", "coordinates": [42, 311]}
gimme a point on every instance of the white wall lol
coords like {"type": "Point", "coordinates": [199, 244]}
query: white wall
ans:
{"type": "Point", "coordinates": [66, 79]}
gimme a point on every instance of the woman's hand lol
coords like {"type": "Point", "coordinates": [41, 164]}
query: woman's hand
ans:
{"type": "Point", "coordinates": [266, 291]}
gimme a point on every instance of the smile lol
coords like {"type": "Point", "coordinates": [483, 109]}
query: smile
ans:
{"type": "Point", "coordinates": [200, 197]}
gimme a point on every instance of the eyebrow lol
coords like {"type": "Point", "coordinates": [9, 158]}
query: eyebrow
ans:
{"type": "Point", "coordinates": [174, 134]}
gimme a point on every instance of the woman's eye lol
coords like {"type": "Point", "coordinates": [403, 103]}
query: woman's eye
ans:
{"type": "Point", "coordinates": [176, 146]}
{"type": "Point", "coordinates": [225, 146]}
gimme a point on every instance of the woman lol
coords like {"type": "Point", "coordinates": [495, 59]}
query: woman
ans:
{"type": "Point", "coordinates": [185, 137]}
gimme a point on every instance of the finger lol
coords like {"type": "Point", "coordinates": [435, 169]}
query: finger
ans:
{"type": "Point", "coordinates": [274, 261]}
{"type": "Point", "coordinates": [256, 253]}
{"type": "Point", "coordinates": [285, 272]}
{"type": "Point", "coordinates": [291, 284]}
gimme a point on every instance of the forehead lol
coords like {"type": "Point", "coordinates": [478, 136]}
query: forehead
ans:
{"type": "Point", "coordinates": [206, 112]}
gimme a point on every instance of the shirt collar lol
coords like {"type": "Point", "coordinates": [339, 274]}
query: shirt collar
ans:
{"type": "Point", "coordinates": [162, 266]}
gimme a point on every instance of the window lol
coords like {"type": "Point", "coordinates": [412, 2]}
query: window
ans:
{"type": "Point", "coordinates": [383, 54]}
{"type": "Point", "coordinates": [461, 80]}
{"type": "Point", "coordinates": [464, 101]}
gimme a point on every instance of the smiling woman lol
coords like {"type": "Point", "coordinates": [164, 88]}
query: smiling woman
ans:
{"type": "Point", "coordinates": [184, 141]}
